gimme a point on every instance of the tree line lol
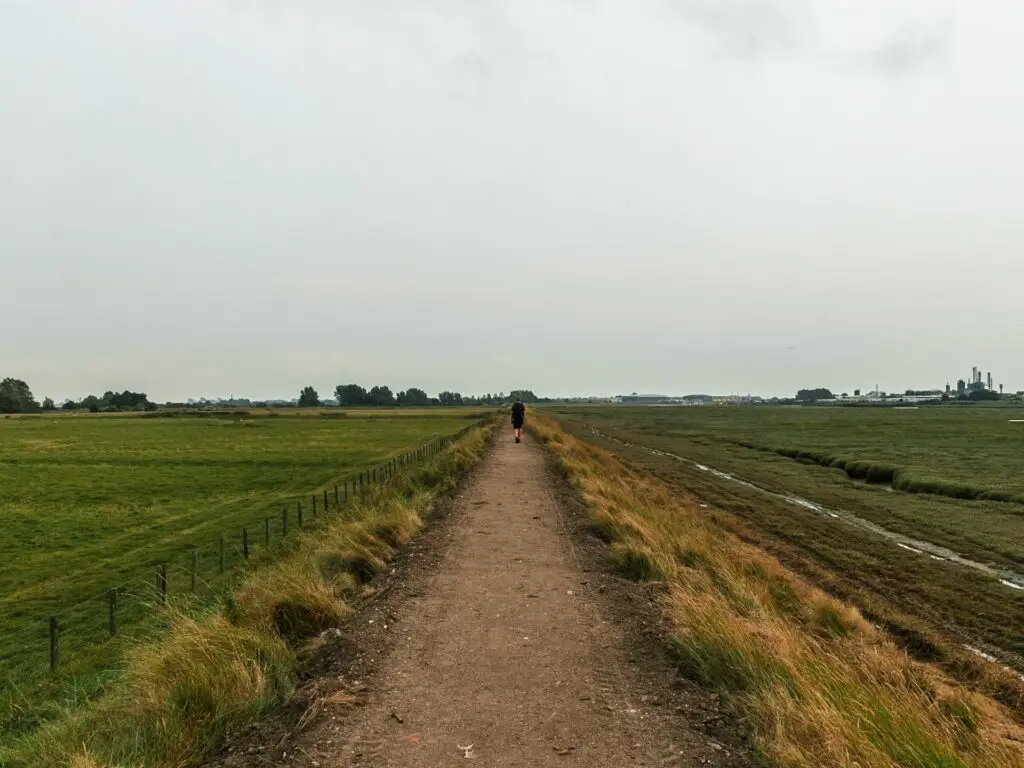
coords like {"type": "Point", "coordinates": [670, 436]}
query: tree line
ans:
{"type": "Point", "coordinates": [112, 401]}
{"type": "Point", "coordinates": [382, 396]}
{"type": "Point", "coordinates": [16, 397]}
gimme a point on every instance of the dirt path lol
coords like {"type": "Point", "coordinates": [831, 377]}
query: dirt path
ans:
{"type": "Point", "coordinates": [508, 648]}
{"type": "Point", "coordinates": [506, 659]}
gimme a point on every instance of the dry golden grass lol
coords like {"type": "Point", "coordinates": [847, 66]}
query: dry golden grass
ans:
{"type": "Point", "coordinates": [818, 684]}
{"type": "Point", "coordinates": [209, 673]}
{"type": "Point", "coordinates": [83, 760]}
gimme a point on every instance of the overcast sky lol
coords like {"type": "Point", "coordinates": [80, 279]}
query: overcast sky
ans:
{"type": "Point", "coordinates": [576, 196]}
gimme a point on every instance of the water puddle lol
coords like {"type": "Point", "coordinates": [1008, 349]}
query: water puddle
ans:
{"type": "Point", "coordinates": [989, 657]}
{"type": "Point", "coordinates": [911, 549]}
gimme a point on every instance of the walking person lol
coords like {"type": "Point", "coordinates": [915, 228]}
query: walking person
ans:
{"type": "Point", "coordinates": [518, 417]}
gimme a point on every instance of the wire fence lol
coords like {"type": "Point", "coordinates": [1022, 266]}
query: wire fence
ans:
{"type": "Point", "coordinates": [201, 572]}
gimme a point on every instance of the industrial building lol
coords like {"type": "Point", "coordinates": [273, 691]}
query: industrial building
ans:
{"type": "Point", "coordinates": [976, 383]}
{"type": "Point", "coordinates": [635, 399]}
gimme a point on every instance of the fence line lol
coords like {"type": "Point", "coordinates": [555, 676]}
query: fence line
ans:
{"type": "Point", "coordinates": [155, 588]}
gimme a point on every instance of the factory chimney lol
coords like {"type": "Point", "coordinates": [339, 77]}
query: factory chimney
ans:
{"type": "Point", "coordinates": [990, 380]}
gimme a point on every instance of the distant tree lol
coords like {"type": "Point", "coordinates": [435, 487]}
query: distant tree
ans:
{"type": "Point", "coordinates": [350, 394]}
{"type": "Point", "coordinates": [450, 398]}
{"type": "Point", "coordinates": [983, 394]}
{"type": "Point", "coordinates": [412, 396]}
{"type": "Point", "coordinates": [309, 398]}
{"type": "Point", "coordinates": [812, 395]}
{"type": "Point", "coordinates": [16, 397]}
{"type": "Point", "coordinates": [48, 404]}
{"type": "Point", "coordinates": [69, 405]}
{"type": "Point", "coordinates": [113, 401]}
{"type": "Point", "coordinates": [126, 401]}
{"type": "Point", "coordinates": [525, 395]}
{"type": "Point", "coordinates": [381, 395]}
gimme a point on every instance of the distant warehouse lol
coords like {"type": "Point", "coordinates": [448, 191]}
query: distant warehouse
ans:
{"type": "Point", "coordinates": [636, 399]}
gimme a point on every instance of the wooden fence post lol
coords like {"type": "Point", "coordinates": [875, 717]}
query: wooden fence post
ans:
{"type": "Point", "coordinates": [54, 650]}
{"type": "Point", "coordinates": [245, 543]}
{"type": "Point", "coordinates": [112, 617]}
{"type": "Point", "coordinates": [325, 499]}
{"type": "Point", "coordinates": [284, 521]}
{"type": "Point", "coordinates": [314, 505]}
{"type": "Point", "coordinates": [335, 495]}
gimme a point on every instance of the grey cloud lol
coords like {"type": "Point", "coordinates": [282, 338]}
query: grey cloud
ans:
{"type": "Point", "coordinates": [912, 50]}
{"type": "Point", "coordinates": [575, 196]}
{"type": "Point", "coordinates": [745, 27]}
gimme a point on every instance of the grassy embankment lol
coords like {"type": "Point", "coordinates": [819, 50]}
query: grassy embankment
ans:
{"type": "Point", "coordinates": [934, 606]}
{"type": "Point", "coordinates": [221, 667]}
{"type": "Point", "coordinates": [818, 684]}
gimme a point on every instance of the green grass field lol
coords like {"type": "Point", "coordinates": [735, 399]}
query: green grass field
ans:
{"type": "Point", "coordinates": [90, 503]}
{"type": "Point", "coordinates": [953, 447]}
{"type": "Point", "coordinates": [976, 448]}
